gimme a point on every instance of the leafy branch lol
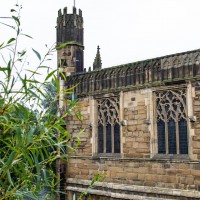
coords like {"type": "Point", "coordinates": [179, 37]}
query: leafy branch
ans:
{"type": "Point", "coordinates": [28, 131]}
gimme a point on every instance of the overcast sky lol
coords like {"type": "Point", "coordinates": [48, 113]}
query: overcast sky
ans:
{"type": "Point", "coordinates": [126, 30]}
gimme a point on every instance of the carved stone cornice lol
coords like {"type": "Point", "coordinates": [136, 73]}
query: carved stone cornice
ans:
{"type": "Point", "coordinates": [176, 68]}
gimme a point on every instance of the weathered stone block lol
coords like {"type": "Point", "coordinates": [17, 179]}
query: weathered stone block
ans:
{"type": "Point", "coordinates": [196, 144]}
{"type": "Point", "coordinates": [131, 128]}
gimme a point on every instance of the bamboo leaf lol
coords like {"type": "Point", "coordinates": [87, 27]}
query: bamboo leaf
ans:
{"type": "Point", "coordinates": [9, 177]}
{"type": "Point", "coordinates": [24, 81]}
{"type": "Point", "coordinates": [37, 54]}
{"type": "Point", "coordinates": [12, 84]}
{"type": "Point", "coordinates": [1, 44]}
{"type": "Point", "coordinates": [61, 46]}
{"type": "Point", "coordinates": [27, 156]}
{"type": "Point", "coordinates": [28, 138]}
{"type": "Point", "coordinates": [33, 93]}
{"type": "Point", "coordinates": [36, 163]}
{"type": "Point", "coordinates": [30, 135]}
{"type": "Point", "coordinates": [63, 75]}
{"type": "Point", "coordinates": [16, 19]}
{"type": "Point", "coordinates": [12, 10]}
{"type": "Point", "coordinates": [22, 53]}
{"type": "Point", "coordinates": [9, 70]}
{"type": "Point", "coordinates": [32, 81]}
{"type": "Point", "coordinates": [10, 159]}
{"type": "Point", "coordinates": [50, 74]}
{"type": "Point", "coordinates": [11, 40]}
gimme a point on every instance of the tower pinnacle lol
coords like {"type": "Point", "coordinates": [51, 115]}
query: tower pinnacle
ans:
{"type": "Point", "coordinates": [97, 61]}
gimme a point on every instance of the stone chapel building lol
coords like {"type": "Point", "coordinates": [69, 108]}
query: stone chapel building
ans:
{"type": "Point", "coordinates": [141, 121]}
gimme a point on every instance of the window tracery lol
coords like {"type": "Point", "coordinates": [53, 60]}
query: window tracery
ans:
{"type": "Point", "coordinates": [171, 122]}
{"type": "Point", "coordinates": [108, 125]}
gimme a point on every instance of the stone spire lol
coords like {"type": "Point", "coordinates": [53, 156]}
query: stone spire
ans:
{"type": "Point", "coordinates": [97, 61]}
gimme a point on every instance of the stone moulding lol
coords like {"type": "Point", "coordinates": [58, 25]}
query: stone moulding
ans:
{"type": "Point", "coordinates": [176, 68]}
{"type": "Point", "coordinates": [158, 158]}
{"type": "Point", "coordinates": [123, 191]}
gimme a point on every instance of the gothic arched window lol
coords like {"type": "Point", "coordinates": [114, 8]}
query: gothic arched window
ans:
{"type": "Point", "coordinates": [171, 120]}
{"type": "Point", "coordinates": [108, 125]}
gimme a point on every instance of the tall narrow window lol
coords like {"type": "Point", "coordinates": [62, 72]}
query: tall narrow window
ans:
{"type": "Point", "coordinates": [108, 125]}
{"type": "Point", "coordinates": [172, 122]}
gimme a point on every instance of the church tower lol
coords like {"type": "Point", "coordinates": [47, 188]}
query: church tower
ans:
{"type": "Point", "coordinates": [70, 29]}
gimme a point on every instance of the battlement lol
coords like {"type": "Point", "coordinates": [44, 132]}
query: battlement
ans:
{"type": "Point", "coordinates": [69, 26]}
{"type": "Point", "coordinates": [177, 68]}
{"type": "Point", "coordinates": [74, 12]}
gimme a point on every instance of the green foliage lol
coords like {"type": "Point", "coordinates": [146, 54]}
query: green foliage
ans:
{"type": "Point", "coordinates": [61, 46]}
{"type": "Point", "coordinates": [99, 176]}
{"type": "Point", "coordinates": [50, 100]}
{"type": "Point", "coordinates": [31, 138]}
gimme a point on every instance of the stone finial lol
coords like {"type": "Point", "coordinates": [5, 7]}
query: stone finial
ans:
{"type": "Point", "coordinates": [59, 13]}
{"type": "Point", "coordinates": [74, 10]}
{"type": "Point", "coordinates": [97, 61]}
{"type": "Point", "coordinates": [80, 12]}
{"type": "Point", "coordinates": [65, 10]}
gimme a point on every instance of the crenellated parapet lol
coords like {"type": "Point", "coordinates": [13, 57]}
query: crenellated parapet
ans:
{"type": "Point", "coordinates": [158, 71]}
{"type": "Point", "coordinates": [70, 26]}
{"type": "Point", "coordinates": [70, 29]}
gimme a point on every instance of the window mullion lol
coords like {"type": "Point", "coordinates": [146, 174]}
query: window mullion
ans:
{"type": "Point", "coordinates": [177, 136]}
{"type": "Point", "coordinates": [104, 138]}
{"type": "Point", "coordinates": [108, 115]}
{"type": "Point", "coordinates": [112, 138]}
{"type": "Point", "coordinates": [166, 137]}
{"type": "Point", "coordinates": [171, 109]}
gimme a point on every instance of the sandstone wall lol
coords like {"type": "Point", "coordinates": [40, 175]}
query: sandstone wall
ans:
{"type": "Point", "coordinates": [78, 125]}
{"type": "Point", "coordinates": [144, 172]}
{"type": "Point", "coordinates": [136, 135]}
{"type": "Point", "coordinates": [196, 125]}
{"type": "Point", "coordinates": [138, 164]}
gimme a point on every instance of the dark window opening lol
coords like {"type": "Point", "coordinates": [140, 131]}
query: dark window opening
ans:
{"type": "Point", "coordinates": [108, 125]}
{"type": "Point", "coordinates": [172, 122]}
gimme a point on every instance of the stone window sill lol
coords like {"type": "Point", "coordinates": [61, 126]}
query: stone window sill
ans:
{"type": "Point", "coordinates": [171, 157]}
{"type": "Point", "coordinates": [107, 155]}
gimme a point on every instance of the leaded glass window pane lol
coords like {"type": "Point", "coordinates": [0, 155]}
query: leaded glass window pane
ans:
{"type": "Point", "coordinates": [161, 137]}
{"type": "Point", "coordinates": [108, 125]}
{"type": "Point", "coordinates": [171, 116]}
{"type": "Point", "coordinates": [183, 137]}
{"type": "Point", "coordinates": [117, 138]}
{"type": "Point", "coordinates": [172, 137]}
{"type": "Point", "coordinates": [100, 139]}
{"type": "Point", "coordinates": [108, 139]}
